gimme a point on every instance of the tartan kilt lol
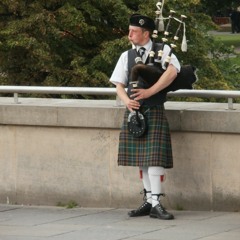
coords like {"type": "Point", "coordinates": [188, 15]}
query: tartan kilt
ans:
{"type": "Point", "coordinates": [153, 148]}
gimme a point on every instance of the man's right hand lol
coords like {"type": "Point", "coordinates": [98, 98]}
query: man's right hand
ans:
{"type": "Point", "coordinates": [132, 105]}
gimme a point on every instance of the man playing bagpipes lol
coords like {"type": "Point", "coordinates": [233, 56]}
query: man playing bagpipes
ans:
{"type": "Point", "coordinates": [145, 139]}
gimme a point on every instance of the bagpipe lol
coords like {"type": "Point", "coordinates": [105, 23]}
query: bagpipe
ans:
{"type": "Point", "coordinates": [146, 75]}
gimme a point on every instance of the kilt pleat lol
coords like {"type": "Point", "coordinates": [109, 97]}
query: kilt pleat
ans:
{"type": "Point", "coordinates": [153, 148]}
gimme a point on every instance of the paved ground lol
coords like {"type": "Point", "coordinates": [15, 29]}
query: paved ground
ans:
{"type": "Point", "coordinates": [55, 223]}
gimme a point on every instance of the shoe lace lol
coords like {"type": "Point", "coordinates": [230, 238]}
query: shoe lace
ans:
{"type": "Point", "coordinates": [144, 192]}
{"type": "Point", "coordinates": [161, 208]}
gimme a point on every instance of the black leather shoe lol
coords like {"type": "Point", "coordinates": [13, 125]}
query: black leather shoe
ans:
{"type": "Point", "coordinates": [159, 212]}
{"type": "Point", "coordinates": [143, 210]}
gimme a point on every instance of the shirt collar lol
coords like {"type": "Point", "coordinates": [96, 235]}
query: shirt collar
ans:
{"type": "Point", "coordinates": [147, 46]}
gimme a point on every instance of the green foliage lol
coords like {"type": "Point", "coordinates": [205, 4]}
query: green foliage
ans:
{"type": "Point", "coordinates": [58, 43]}
{"type": "Point", "coordinates": [70, 204]}
{"type": "Point", "coordinates": [77, 43]}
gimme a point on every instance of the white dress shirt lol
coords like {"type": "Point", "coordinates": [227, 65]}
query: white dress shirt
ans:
{"type": "Point", "coordinates": [120, 72]}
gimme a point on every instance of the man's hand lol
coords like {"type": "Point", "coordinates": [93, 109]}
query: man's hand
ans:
{"type": "Point", "coordinates": [139, 94]}
{"type": "Point", "coordinates": [132, 105]}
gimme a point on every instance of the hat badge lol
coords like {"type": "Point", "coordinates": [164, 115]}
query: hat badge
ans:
{"type": "Point", "coordinates": [141, 22]}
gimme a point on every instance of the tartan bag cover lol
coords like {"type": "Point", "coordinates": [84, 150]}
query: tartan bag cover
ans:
{"type": "Point", "coordinates": [153, 148]}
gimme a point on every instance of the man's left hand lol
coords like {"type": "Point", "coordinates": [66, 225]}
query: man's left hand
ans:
{"type": "Point", "coordinates": [140, 94]}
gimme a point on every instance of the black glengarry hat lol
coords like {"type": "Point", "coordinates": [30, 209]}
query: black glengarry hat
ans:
{"type": "Point", "coordinates": [139, 20]}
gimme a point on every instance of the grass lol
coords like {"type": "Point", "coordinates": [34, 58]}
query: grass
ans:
{"type": "Point", "coordinates": [228, 39]}
{"type": "Point", "coordinates": [70, 204]}
{"type": "Point", "coordinates": [236, 60]}
{"type": "Point", "coordinates": [179, 207]}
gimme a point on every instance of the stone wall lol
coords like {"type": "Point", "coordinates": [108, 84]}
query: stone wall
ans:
{"type": "Point", "coordinates": [55, 151]}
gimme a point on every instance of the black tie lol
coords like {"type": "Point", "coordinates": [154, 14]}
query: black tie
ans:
{"type": "Point", "coordinates": [141, 51]}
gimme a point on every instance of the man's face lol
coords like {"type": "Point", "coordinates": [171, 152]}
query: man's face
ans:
{"type": "Point", "coordinates": [138, 36]}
